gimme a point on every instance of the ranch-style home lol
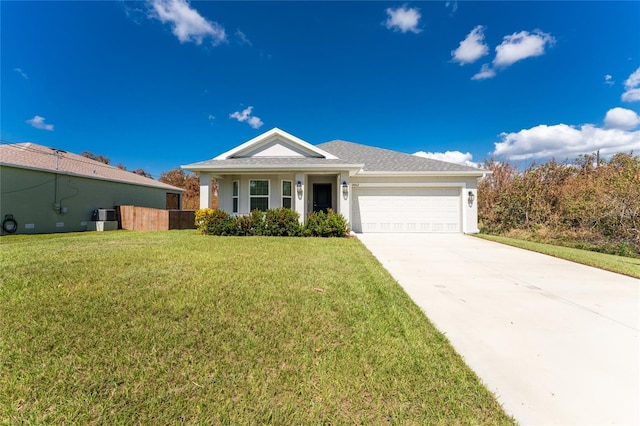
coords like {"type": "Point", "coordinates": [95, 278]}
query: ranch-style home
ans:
{"type": "Point", "coordinates": [377, 190]}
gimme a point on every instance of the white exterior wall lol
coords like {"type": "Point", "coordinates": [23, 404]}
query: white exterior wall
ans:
{"type": "Point", "coordinates": [469, 214]}
{"type": "Point", "coordinates": [225, 191]}
{"type": "Point", "coordinates": [344, 201]}
{"type": "Point", "coordinates": [342, 204]}
{"type": "Point", "coordinates": [301, 203]}
{"type": "Point", "coordinates": [298, 202]}
{"type": "Point", "coordinates": [205, 190]}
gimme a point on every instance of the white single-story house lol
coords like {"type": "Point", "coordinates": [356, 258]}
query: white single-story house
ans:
{"type": "Point", "coordinates": [377, 190]}
{"type": "Point", "coordinates": [46, 190]}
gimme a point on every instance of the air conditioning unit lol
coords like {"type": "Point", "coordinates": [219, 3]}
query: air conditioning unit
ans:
{"type": "Point", "coordinates": [104, 215]}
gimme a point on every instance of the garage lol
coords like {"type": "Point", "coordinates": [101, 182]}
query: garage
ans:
{"type": "Point", "coordinates": [406, 210]}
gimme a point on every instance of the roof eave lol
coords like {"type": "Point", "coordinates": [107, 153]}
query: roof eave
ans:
{"type": "Point", "coordinates": [102, 178]}
{"type": "Point", "coordinates": [353, 168]}
{"type": "Point", "coordinates": [377, 173]}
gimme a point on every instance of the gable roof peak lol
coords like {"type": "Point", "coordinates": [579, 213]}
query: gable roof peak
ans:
{"type": "Point", "coordinates": [269, 136]}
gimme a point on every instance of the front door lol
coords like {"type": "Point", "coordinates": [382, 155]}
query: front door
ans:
{"type": "Point", "coordinates": [322, 197]}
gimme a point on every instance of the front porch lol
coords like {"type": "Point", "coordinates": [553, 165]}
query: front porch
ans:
{"type": "Point", "coordinates": [239, 194]}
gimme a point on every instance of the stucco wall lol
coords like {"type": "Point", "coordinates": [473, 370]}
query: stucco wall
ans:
{"type": "Point", "coordinates": [30, 196]}
{"type": "Point", "coordinates": [469, 182]}
{"type": "Point", "coordinates": [225, 190]}
{"type": "Point", "coordinates": [341, 203]}
{"type": "Point", "coordinates": [469, 219]}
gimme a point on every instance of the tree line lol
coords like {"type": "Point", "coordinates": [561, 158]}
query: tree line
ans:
{"type": "Point", "coordinates": [103, 159]}
{"type": "Point", "coordinates": [589, 203]}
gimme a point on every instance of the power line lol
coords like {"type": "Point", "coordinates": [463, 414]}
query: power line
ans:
{"type": "Point", "coordinates": [28, 188]}
{"type": "Point", "coordinates": [24, 147]}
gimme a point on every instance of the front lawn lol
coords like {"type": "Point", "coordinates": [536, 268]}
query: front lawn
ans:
{"type": "Point", "coordinates": [171, 327]}
{"type": "Point", "coordinates": [622, 265]}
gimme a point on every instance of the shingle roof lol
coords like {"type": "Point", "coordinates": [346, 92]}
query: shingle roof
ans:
{"type": "Point", "coordinates": [33, 156]}
{"type": "Point", "coordinates": [385, 160]}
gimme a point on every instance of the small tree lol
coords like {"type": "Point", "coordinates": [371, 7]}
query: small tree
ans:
{"type": "Point", "coordinates": [187, 181]}
{"type": "Point", "coordinates": [142, 172]}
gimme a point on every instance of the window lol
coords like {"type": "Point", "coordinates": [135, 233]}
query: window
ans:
{"type": "Point", "coordinates": [286, 194]}
{"type": "Point", "coordinates": [258, 195]}
{"type": "Point", "coordinates": [236, 198]}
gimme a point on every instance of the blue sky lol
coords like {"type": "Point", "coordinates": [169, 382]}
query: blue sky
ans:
{"type": "Point", "coordinates": [162, 83]}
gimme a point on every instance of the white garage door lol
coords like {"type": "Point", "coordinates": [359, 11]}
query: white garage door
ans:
{"type": "Point", "coordinates": [406, 210]}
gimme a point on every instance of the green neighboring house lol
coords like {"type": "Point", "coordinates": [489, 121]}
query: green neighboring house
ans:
{"type": "Point", "coordinates": [46, 190]}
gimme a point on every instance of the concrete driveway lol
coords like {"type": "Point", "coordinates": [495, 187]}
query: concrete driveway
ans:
{"type": "Point", "coordinates": [555, 341]}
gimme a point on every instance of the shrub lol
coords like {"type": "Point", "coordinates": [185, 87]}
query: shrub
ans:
{"type": "Point", "coordinates": [202, 219]}
{"type": "Point", "coordinates": [331, 224]}
{"type": "Point", "coordinates": [314, 225]}
{"type": "Point", "coordinates": [281, 222]}
{"type": "Point", "coordinates": [336, 225]}
{"type": "Point", "coordinates": [214, 222]}
{"type": "Point", "coordinates": [252, 224]}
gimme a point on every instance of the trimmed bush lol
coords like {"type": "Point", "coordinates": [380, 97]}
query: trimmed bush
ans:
{"type": "Point", "coordinates": [281, 223]}
{"type": "Point", "coordinates": [252, 224]}
{"type": "Point", "coordinates": [214, 222]}
{"type": "Point", "coordinates": [202, 219]}
{"type": "Point", "coordinates": [331, 224]}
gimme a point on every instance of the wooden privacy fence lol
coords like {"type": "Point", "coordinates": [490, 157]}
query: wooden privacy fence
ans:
{"type": "Point", "coordinates": [136, 218]}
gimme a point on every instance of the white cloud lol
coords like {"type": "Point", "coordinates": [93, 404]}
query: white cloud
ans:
{"type": "Point", "coordinates": [449, 156]}
{"type": "Point", "coordinates": [38, 123]}
{"type": "Point", "coordinates": [403, 19]}
{"type": "Point", "coordinates": [243, 38]}
{"type": "Point", "coordinates": [451, 4]}
{"type": "Point", "coordinates": [631, 95]}
{"type": "Point", "coordinates": [471, 48]}
{"type": "Point", "coordinates": [522, 45]}
{"type": "Point", "coordinates": [485, 72]}
{"type": "Point", "coordinates": [211, 117]}
{"type": "Point", "coordinates": [608, 80]}
{"type": "Point", "coordinates": [564, 141]}
{"type": "Point", "coordinates": [255, 122]}
{"type": "Point", "coordinates": [245, 115]}
{"type": "Point", "coordinates": [187, 24]}
{"type": "Point", "coordinates": [135, 10]}
{"type": "Point", "coordinates": [22, 73]}
{"type": "Point", "coordinates": [621, 118]}
{"type": "Point", "coordinates": [632, 91]}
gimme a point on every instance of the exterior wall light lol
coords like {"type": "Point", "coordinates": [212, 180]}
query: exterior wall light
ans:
{"type": "Point", "coordinates": [299, 189]}
{"type": "Point", "coordinates": [471, 198]}
{"type": "Point", "coordinates": [345, 188]}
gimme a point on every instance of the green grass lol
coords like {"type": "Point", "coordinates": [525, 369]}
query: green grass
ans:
{"type": "Point", "coordinates": [173, 328]}
{"type": "Point", "coordinates": [620, 264]}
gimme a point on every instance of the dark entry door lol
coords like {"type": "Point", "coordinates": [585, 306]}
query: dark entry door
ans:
{"type": "Point", "coordinates": [321, 197]}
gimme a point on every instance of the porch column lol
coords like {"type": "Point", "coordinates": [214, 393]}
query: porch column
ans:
{"type": "Point", "coordinates": [205, 190]}
{"type": "Point", "coordinates": [300, 197]}
{"type": "Point", "coordinates": [344, 200]}
{"type": "Point", "coordinates": [469, 210]}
